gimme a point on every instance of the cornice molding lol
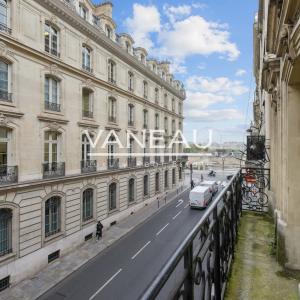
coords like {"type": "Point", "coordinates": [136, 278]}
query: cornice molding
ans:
{"type": "Point", "coordinates": [57, 7]}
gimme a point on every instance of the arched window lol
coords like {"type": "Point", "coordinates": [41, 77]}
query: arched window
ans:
{"type": "Point", "coordinates": [4, 16]}
{"type": "Point", "coordinates": [130, 81]}
{"type": "Point", "coordinates": [86, 59]}
{"type": "Point", "coordinates": [112, 196]}
{"type": "Point", "coordinates": [131, 190]}
{"type": "Point", "coordinates": [87, 103]}
{"type": "Point", "coordinates": [130, 114]}
{"type": "Point", "coordinates": [112, 110]}
{"type": "Point", "coordinates": [52, 93]}
{"type": "Point", "coordinates": [146, 185]}
{"type": "Point", "coordinates": [112, 71]}
{"type": "Point", "coordinates": [52, 216]}
{"type": "Point", "coordinates": [5, 231]}
{"type": "Point", "coordinates": [145, 89]}
{"type": "Point", "coordinates": [157, 182]}
{"type": "Point", "coordinates": [51, 40]}
{"type": "Point", "coordinates": [87, 205]}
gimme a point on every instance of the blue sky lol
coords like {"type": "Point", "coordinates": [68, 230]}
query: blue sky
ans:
{"type": "Point", "coordinates": [210, 46]}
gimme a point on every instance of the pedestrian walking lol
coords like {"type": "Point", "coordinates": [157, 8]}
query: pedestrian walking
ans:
{"type": "Point", "coordinates": [202, 177]}
{"type": "Point", "coordinates": [99, 228]}
{"type": "Point", "coordinates": [192, 184]}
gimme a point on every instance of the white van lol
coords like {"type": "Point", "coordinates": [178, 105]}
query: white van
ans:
{"type": "Point", "coordinates": [212, 184]}
{"type": "Point", "coordinates": [200, 197]}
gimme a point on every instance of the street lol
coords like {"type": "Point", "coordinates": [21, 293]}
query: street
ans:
{"type": "Point", "coordinates": [125, 269]}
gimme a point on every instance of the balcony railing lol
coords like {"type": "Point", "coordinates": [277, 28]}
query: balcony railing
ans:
{"type": "Point", "coordinates": [5, 96]}
{"type": "Point", "coordinates": [131, 162]}
{"type": "Point", "coordinates": [4, 28]}
{"type": "Point", "coordinates": [87, 68]}
{"type": "Point", "coordinates": [52, 51]}
{"type": "Point", "coordinates": [52, 170]}
{"type": "Point", "coordinates": [112, 80]}
{"type": "Point", "coordinates": [112, 119]}
{"type": "Point", "coordinates": [8, 174]}
{"type": "Point", "coordinates": [112, 163]}
{"type": "Point", "coordinates": [88, 166]}
{"type": "Point", "coordinates": [87, 114]}
{"type": "Point", "coordinates": [146, 160]}
{"type": "Point", "coordinates": [5, 251]}
{"type": "Point", "coordinates": [52, 106]}
{"type": "Point", "coordinates": [201, 263]}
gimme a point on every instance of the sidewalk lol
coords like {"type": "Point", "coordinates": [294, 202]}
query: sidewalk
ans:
{"type": "Point", "coordinates": [255, 273]}
{"type": "Point", "coordinates": [47, 278]}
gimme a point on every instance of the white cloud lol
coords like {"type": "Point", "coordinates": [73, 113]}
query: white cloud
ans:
{"type": "Point", "coordinates": [197, 36]}
{"type": "Point", "coordinates": [145, 20]}
{"type": "Point", "coordinates": [240, 72]}
{"type": "Point", "coordinates": [215, 115]}
{"type": "Point", "coordinates": [176, 12]}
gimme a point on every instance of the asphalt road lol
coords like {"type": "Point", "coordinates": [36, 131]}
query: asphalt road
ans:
{"type": "Point", "coordinates": [125, 269]}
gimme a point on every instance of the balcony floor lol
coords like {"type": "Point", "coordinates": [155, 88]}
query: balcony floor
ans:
{"type": "Point", "coordinates": [255, 273]}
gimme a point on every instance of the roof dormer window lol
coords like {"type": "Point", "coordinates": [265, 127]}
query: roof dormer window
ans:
{"type": "Point", "coordinates": [108, 31]}
{"type": "Point", "coordinates": [128, 47]}
{"type": "Point", "coordinates": [83, 12]}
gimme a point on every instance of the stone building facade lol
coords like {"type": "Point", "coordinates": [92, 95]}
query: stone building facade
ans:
{"type": "Point", "coordinates": [277, 115]}
{"type": "Point", "coordinates": [64, 71]}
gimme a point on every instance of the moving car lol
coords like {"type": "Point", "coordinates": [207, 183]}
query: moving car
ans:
{"type": "Point", "coordinates": [200, 197]}
{"type": "Point", "coordinates": [212, 184]}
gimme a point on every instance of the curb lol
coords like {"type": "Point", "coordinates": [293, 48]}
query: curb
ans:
{"type": "Point", "coordinates": [114, 242]}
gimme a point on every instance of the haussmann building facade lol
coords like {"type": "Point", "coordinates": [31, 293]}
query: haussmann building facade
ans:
{"type": "Point", "coordinates": [64, 71]}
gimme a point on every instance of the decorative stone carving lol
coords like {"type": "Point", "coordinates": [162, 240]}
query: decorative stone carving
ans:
{"type": "Point", "coordinates": [54, 70]}
{"type": "Point", "coordinates": [4, 121]}
{"type": "Point", "coordinates": [3, 49]}
{"type": "Point", "coordinates": [54, 126]}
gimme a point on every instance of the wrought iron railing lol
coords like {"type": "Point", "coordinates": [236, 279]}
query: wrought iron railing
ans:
{"type": "Point", "coordinates": [112, 163]}
{"type": "Point", "coordinates": [199, 267]}
{"type": "Point", "coordinates": [8, 174]}
{"type": "Point", "coordinates": [52, 106]}
{"type": "Point", "coordinates": [131, 162]}
{"type": "Point", "coordinates": [88, 166]}
{"type": "Point", "coordinates": [5, 96]}
{"type": "Point", "coordinates": [54, 169]}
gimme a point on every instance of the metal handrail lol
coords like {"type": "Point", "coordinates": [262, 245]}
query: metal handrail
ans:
{"type": "Point", "coordinates": [160, 280]}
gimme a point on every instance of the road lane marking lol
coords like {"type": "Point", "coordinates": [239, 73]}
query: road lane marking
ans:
{"type": "Point", "coordinates": [135, 255]}
{"type": "Point", "coordinates": [177, 215]}
{"type": "Point", "coordinates": [105, 284]}
{"type": "Point", "coordinates": [158, 233]}
{"type": "Point", "coordinates": [180, 202]}
{"type": "Point", "coordinates": [187, 206]}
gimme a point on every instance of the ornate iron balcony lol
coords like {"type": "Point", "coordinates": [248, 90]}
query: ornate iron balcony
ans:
{"type": "Point", "coordinates": [131, 162]}
{"type": "Point", "coordinates": [8, 174]}
{"type": "Point", "coordinates": [87, 114]}
{"type": "Point", "coordinates": [4, 28]}
{"type": "Point", "coordinates": [88, 166]}
{"type": "Point", "coordinates": [5, 96]}
{"type": "Point", "coordinates": [54, 169]}
{"type": "Point", "coordinates": [52, 106]}
{"type": "Point", "coordinates": [112, 163]}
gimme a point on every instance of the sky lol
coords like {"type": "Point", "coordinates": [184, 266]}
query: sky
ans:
{"type": "Point", "coordinates": [209, 45]}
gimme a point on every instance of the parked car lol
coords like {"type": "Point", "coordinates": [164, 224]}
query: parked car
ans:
{"type": "Point", "coordinates": [200, 197]}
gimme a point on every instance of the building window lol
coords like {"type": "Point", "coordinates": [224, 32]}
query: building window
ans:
{"type": "Point", "coordinates": [131, 190]}
{"type": "Point", "coordinates": [4, 145]}
{"type": "Point", "coordinates": [156, 95]}
{"type": "Point", "coordinates": [109, 32]}
{"type": "Point", "coordinates": [143, 59]}
{"type": "Point", "coordinates": [112, 71]}
{"type": "Point", "coordinates": [180, 108]}
{"type": "Point", "coordinates": [166, 125]}
{"type": "Point", "coordinates": [173, 176]}
{"type": "Point", "coordinates": [112, 162]}
{"type": "Point", "coordinates": [173, 127]}
{"type": "Point", "coordinates": [4, 16]}
{"type": "Point", "coordinates": [87, 204]}
{"type": "Point", "coordinates": [130, 115]}
{"type": "Point", "coordinates": [130, 81]}
{"type": "Point", "coordinates": [166, 101]}
{"type": "Point", "coordinates": [51, 40]}
{"type": "Point", "coordinates": [173, 104]}
{"type": "Point", "coordinates": [112, 196]}
{"type": "Point", "coordinates": [128, 47]}
{"type": "Point", "coordinates": [52, 94]}
{"type": "Point", "coordinates": [180, 173]}
{"type": "Point", "coordinates": [86, 148]}
{"type": "Point", "coordinates": [87, 103]}
{"type": "Point", "coordinates": [52, 216]}
{"type": "Point", "coordinates": [5, 78]}
{"type": "Point", "coordinates": [86, 59]}
{"type": "Point", "coordinates": [146, 185]}
{"type": "Point", "coordinates": [180, 126]}
{"type": "Point", "coordinates": [157, 182]}
{"type": "Point", "coordinates": [5, 231]}
{"type": "Point", "coordinates": [96, 21]}
{"type": "Point", "coordinates": [145, 113]}
{"type": "Point", "coordinates": [83, 12]}
{"type": "Point", "coordinates": [112, 110]}
{"type": "Point", "coordinates": [156, 121]}
{"type": "Point", "coordinates": [51, 147]}
{"type": "Point", "coordinates": [145, 89]}
{"type": "Point", "coordinates": [166, 179]}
